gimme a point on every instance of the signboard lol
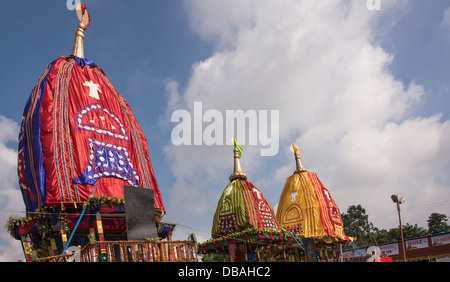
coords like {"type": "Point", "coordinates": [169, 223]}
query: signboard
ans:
{"type": "Point", "coordinates": [389, 250]}
{"type": "Point", "coordinates": [348, 254]}
{"type": "Point", "coordinates": [417, 244]}
{"type": "Point", "coordinates": [361, 252]}
{"type": "Point", "coordinates": [440, 240]}
{"type": "Point", "coordinates": [355, 253]}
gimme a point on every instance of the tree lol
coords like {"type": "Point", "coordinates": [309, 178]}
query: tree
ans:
{"type": "Point", "coordinates": [382, 236]}
{"type": "Point", "coordinates": [357, 225]}
{"type": "Point", "coordinates": [437, 223]}
{"type": "Point", "coordinates": [413, 231]}
{"type": "Point", "coordinates": [213, 258]}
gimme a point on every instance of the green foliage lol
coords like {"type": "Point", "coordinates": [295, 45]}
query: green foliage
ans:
{"type": "Point", "coordinates": [413, 231]}
{"type": "Point", "coordinates": [357, 224]}
{"type": "Point", "coordinates": [212, 258]}
{"type": "Point", "coordinates": [437, 223]}
{"type": "Point", "coordinates": [384, 236]}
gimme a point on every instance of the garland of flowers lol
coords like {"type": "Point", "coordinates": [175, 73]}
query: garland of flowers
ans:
{"type": "Point", "coordinates": [41, 214]}
{"type": "Point", "coordinates": [249, 235]}
{"type": "Point", "coordinates": [64, 221]}
{"type": "Point", "coordinates": [103, 200]}
{"type": "Point", "coordinates": [332, 239]}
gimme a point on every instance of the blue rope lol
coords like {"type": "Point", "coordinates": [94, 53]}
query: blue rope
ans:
{"type": "Point", "coordinates": [79, 220]}
{"type": "Point", "coordinates": [356, 248]}
{"type": "Point", "coordinates": [296, 239]}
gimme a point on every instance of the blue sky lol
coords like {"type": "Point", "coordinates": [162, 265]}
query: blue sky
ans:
{"type": "Point", "coordinates": [364, 94]}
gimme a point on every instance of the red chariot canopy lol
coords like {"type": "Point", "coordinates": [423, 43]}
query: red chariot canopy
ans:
{"type": "Point", "coordinates": [78, 132]}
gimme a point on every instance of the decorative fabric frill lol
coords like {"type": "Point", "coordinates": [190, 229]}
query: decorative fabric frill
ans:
{"type": "Point", "coordinates": [262, 236]}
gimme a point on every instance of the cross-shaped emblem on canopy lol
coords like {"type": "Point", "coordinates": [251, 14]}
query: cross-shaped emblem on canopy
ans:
{"type": "Point", "coordinates": [94, 88]}
{"type": "Point", "coordinates": [293, 196]}
{"type": "Point", "coordinates": [229, 188]}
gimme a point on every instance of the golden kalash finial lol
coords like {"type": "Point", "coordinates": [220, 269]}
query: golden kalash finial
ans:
{"type": "Point", "coordinates": [85, 19]}
{"type": "Point", "coordinates": [298, 163]}
{"type": "Point", "coordinates": [237, 173]}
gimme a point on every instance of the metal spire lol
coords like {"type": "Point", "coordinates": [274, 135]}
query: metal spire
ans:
{"type": "Point", "coordinates": [298, 163]}
{"type": "Point", "coordinates": [83, 16]}
{"type": "Point", "coordinates": [237, 173]}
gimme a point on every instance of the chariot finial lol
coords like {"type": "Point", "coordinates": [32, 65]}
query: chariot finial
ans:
{"type": "Point", "coordinates": [85, 19]}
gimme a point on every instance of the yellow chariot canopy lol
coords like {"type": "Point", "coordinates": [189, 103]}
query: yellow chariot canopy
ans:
{"type": "Point", "coordinates": [307, 208]}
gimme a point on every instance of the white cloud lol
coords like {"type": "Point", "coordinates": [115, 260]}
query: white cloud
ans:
{"type": "Point", "coordinates": [10, 195]}
{"type": "Point", "coordinates": [317, 63]}
{"type": "Point", "coordinates": [445, 24]}
{"type": "Point", "coordinates": [368, 165]}
{"type": "Point", "coordinates": [220, 20]}
{"type": "Point", "coordinates": [446, 20]}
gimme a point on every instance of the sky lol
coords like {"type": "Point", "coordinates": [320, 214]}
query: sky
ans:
{"type": "Point", "coordinates": [362, 91]}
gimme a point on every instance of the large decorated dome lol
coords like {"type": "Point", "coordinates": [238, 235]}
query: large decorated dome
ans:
{"type": "Point", "coordinates": [242, 206]}
{"type": "Point", "coordinates": [307, 208]}
{"type": "Point", "coordinates": [78, 132]}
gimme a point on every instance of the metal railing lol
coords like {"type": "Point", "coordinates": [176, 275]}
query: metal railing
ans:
{"type": "Point", "coordinates": [139, 251]}
{"type": "Point", "coordinates": [58, 258]}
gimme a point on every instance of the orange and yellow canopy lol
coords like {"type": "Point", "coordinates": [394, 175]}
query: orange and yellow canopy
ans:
{"type": "Point", "coordinates": [307, 208]}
